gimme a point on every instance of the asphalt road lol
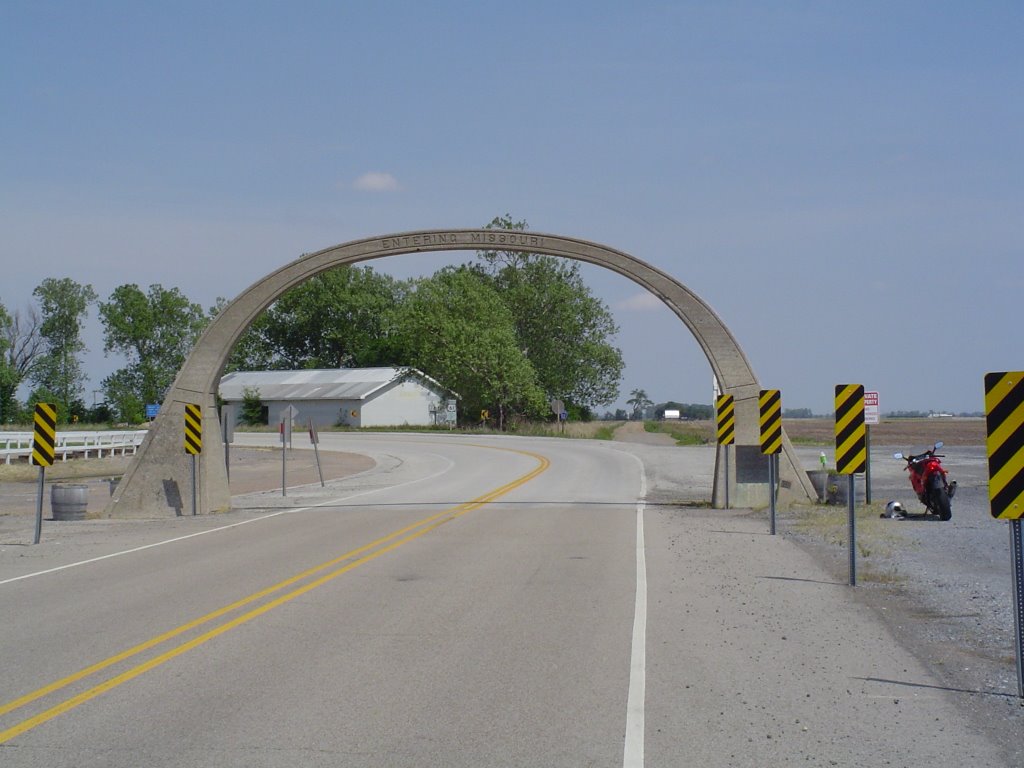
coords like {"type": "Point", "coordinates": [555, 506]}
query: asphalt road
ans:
{"type": "Point", "coordinates": [467, 602]}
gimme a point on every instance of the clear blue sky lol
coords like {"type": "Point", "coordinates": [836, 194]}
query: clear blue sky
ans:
{"type": "Point", "coordinates": [842, 182]}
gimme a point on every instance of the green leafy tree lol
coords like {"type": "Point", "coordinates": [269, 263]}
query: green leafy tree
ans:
{"type": "Point", "coordinates": [251, 412]}
{"type": "Point", "coordinates": [686, 410]}
{"type": "Point", "coordinates": [63, 305]}
{"type": "Point", "coordinates": [342, 317]}
{"type": "Point", "coordinates": [458, 330]}
{"type": "Point", "coordinates": [121, 390]}
{"type": "Point", "coordinates": [640, 403]}
{"type": "Point", "coordinates": [564, 331]}
{"type": "Point", "coordinates": [154, 331]}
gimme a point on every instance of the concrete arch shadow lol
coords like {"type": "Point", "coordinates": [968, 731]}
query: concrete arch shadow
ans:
{"type": "Point", "coordinates": [159, 478]}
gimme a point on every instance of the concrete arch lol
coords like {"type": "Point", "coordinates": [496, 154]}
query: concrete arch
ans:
{"type": "Point", "coordinates": [159, 479]}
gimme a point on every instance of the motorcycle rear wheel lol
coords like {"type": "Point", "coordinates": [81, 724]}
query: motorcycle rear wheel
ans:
{"type": "Point", "coordinates": [941, 504]}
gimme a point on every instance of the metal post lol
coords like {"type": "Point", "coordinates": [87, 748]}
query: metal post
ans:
{"type": "Point", "coordinates": [39, 507]}
{"type": "Point", "coordinates": [313, 438]}
{"type": "Point", "coordinates": [225, 414]}
{"type": "Point", "coordinates": [771, 490]}
{"type": "Point", "coordinates": [867, 464]}
{"type": "Point", "coordinates": [284, 451]}
{"type": "Point", "coordinates": [853, 532]}
{"type": "Point", "coordinates": [1018, 600]}
{"type": "Point", "coordinates": [194, 484]}
{"type": "Point", "coordinates": [727, 476]}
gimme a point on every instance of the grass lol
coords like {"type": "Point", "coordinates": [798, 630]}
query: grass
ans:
{"type": "Point", "coordinates": [810, 441]}
{"type": "Point", "coordinates": [683, 432]}
{"type": "Point", "coordinates": [878, 540]}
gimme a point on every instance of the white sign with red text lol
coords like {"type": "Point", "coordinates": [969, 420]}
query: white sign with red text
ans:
{"type": "Point", "coordinates": [870, 407]}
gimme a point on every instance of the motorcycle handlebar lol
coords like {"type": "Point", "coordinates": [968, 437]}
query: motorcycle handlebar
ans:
{"type": "Point", "coordinates": [925, 455]}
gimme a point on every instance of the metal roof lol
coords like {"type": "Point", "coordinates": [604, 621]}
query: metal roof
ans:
{"type": "Point", "coordinates": [318, 384]}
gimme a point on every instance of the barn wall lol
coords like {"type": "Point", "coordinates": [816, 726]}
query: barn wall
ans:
{"type": "Point", "coordinates": [407, 402]}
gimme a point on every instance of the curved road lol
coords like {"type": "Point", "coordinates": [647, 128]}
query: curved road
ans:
{"type": "Point", "coordinates": [469, 601]}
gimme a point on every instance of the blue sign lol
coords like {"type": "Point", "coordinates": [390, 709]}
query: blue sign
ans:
{"type": "Point", "coordinates": [152, 409]}
{"type": "Point", "coordinates": [564, 415]}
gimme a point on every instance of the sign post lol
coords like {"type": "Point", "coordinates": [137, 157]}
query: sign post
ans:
{"type": "Point", "coordinates": [870, 417]}
{"type": "Point", "coordinates": [726, 421]}
{"type": "Point", "coordinates": [851, 452]}
{"type": "Point", "coordinates": [193, 441]}
{"type": "Point", "coordinates": [1004, 421]}
{"type": "Point", "coordinates": [314, 438]}
{"type": "Point", "coordinates": [227, 427]}
{"type": "Point", "coordinates": [44, 440]}
{"type": "Point", "coordinates": [769, 403]}
{"type": "Point", "coordinates": [288, 414]}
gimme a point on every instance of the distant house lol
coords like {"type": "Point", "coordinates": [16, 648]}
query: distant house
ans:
{"type": "Point", "coordinates": [355, 397]}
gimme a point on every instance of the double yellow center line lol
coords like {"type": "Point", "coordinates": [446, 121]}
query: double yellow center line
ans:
{"type": "Point", "coordinates": [352, 559]}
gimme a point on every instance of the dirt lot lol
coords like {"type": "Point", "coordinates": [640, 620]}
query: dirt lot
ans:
{"type": "Point", "coordinates": [252, 470]}
{"type": "Point", "coordinates": [910, 433]}
{"type": "Point", "coordinates": [905, 433]}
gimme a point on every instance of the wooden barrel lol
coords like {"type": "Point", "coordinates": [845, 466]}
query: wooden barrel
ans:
{"type": "Point", "coordinates": [69, 502]}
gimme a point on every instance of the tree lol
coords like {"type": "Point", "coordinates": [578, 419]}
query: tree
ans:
{"type": "Point", "coordinates": [63, 305]}
{"type": "Point", "coordinates": [121, 390]}
{"type": "Point", "coordinates": [8, 377]}
{"type": "Point", "coordinates": [457, 329]}
{"type": "Point", "coordinates": [563, 330]}
{"type": "Point", "coordinates": [640, 403]}
{"type": "Point", "coordinates": [20, 346]}
{"type": "Point", "coordinates": [686, 410]}
{"type": "Point", "coordinates": [154, 331]}
{"type": "Point", "coordinates": [251, 412]}
{"type": "Point", "coordinates": [342, 317]}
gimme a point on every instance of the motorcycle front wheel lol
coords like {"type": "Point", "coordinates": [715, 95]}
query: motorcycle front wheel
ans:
{"type": "Point", "coordinates": [940, 498]}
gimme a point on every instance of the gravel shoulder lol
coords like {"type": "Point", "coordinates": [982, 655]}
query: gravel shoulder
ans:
{"type": "Point", "coordinates": [943, 589]}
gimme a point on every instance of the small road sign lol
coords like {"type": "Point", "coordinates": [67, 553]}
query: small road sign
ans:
{"type": "Point", "coordinates": [44, 435]}
{"type": "Point", "coordinates": [726, 419]}
{"type": "Point", "coordinates": [851, 453]}
{"type": "Point", "coordinates": [870, 407]}
{"type": "Point", "coordinates": [851, 437]}
{"type": "Point", "coordinates": [1004, 420]}
{"type": "Point", "coordinates": [193, 429]}
{"type": "Point", "coordinates": [769, 403]}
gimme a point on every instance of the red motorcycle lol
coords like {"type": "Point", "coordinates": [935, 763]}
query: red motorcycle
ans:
{"type": "Point", "coordinates": [929, 480]}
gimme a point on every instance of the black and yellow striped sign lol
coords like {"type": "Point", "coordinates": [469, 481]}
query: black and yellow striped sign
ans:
{"type": "Point", "coordinates": [44, 435]}
{"type": "Point", "coordinates": [851, 432]}
{"type": "Point", "coordinates": [769, 403]}
{"type": "Point", "coordinates": [1004, 418]}
{"type": "Point", "coordinates": [726, 420]}
{"type": "Point", "coordinates": [193, 429]}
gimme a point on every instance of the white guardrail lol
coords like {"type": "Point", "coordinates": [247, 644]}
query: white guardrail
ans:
{"type": "Point", "coordinates": [85, 444]}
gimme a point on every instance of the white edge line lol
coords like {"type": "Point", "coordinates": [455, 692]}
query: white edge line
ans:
{"type": "Point", "coordinates": [227, 527]}
{"type": "Point", "coordinates": [633, 750]}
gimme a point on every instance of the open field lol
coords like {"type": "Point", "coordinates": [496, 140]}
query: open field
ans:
{"type": "Point", "coordinates": [907, 433]}
{"type": "Point", "coordinates": [904, 433]}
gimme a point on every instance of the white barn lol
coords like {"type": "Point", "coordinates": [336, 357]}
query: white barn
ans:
{"type": "Point", "coordinates": [353, 397]}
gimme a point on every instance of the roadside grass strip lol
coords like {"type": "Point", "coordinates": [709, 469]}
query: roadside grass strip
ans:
{"type": "Point", "coordinates": [348, 562]}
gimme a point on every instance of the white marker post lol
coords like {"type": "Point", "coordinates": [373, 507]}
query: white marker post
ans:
{"type": "Point", "coordinates": [314, 438]}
